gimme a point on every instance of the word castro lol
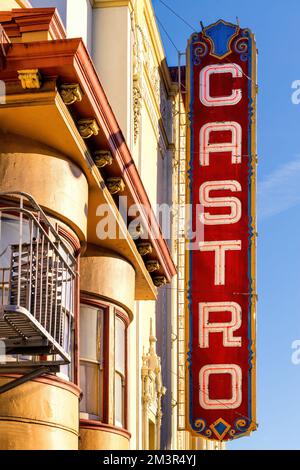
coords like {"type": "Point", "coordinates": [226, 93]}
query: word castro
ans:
{"type": "Point", "coordinates": [219, 275]}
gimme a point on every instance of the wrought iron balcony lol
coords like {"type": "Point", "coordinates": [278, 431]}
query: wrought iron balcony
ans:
{"type": "Point", "coordinates": [37, 278]}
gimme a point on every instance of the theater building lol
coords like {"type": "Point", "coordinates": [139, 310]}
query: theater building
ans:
{"type": "Point", "coordinates": [88, 296]}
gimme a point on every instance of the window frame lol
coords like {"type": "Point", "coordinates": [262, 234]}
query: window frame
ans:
{"type": "Point", "coordinates": [125, 319]}
{"type": "Point", "coordinates": [98, 304]}
{"type": "Point", "coordinates": [111, 311]}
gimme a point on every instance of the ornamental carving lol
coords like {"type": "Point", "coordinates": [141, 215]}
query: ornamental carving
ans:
{"type": "Point", "coordinates": [152, 391]}
{"type": "Point", "coordinates": [88, 127]}
{"type": "Point", "coordinates": [115, 185]}
{"type": "Point", "coordinates": [137, 106]}
{"type": "Point", "coordinates": [144, 60]}
{"type": "Point", "coordinates": [103, 158]}
{"type": "Point", "coordinates": [30, 78]}
{"type": "Point", "coordinates": [145, 249]}
{"type": "Point", "coordinates": [152, 266]}
{"type": "Point", "coordinates": [159, 281]}
{"type": "Point", "coordinates": [70, 93]}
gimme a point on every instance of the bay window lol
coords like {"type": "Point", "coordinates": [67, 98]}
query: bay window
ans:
{"type": "Point", "coordinates": [103, 362]}
{"type": "Point", "coordinates": [91, 360]}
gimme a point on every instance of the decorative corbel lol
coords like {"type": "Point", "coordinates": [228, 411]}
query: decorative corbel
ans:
{"type": "Point", "coordinates": [30, 78]}
{"type": "Point", "coordinates": [159, 281]}
{"type": "Point", "coordinates": [70, 93]}
{"type": "Point", "coordinates": [103, 158]}
{"type": "Point", "coordinates": [152, 266]}
{"type": "Point", "coordinates": [88, 127]}
{"type": "Point", "coordinates": [115, 185]}
{"type": "Point", "coordinates": [144, 249]}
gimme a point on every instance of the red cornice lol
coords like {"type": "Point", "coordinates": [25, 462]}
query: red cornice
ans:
{"type": "Point", "coordinates": [19, 21]}
{"type": "Point", "coordinates": [69, 60]}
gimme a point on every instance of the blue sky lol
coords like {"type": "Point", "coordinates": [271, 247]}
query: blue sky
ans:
{"type": "Point", "coordinates": [276, 26]}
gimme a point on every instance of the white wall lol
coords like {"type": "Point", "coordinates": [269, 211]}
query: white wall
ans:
{"type": "Point", "coordinates": [79, 21]}
{"type": "Point", "coordinates": [76, 16]}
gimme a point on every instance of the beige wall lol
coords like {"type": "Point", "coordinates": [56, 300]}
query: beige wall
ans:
{"type": "Point", "coordinates": [100, 439]}
{"type": "Point", "coordinates": [108, 276]}
{"type": "Point", "coordinates": [112, 55]}
{"type": "Point", "coordinates": [66, 196]}
{"type": "Point", "coordinates": [39, 415]}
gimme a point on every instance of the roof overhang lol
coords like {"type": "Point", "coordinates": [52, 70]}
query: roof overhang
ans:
{"type": "Point", "coordinates": [67, 61]}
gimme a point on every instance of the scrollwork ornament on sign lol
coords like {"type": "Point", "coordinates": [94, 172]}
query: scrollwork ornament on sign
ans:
{"type": "Point", "coordinates": [200, 425]}
{"type": "Point", "coordinates": [242, 425]}
{"type": "Point", "coordinates": [200, 51]}
{"type": "Point", "coordinates": [241, 46]}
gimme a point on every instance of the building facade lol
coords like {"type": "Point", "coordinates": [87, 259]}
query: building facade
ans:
{"type": "Point", "coordinates": [91, 159]}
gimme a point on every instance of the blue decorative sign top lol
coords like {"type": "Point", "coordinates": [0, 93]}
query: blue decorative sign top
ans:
{"type": "Point", "coordinates": [220, 35]}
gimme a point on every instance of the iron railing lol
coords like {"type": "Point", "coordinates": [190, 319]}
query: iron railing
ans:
{"type": "Point", "coordinates": [37, 288]}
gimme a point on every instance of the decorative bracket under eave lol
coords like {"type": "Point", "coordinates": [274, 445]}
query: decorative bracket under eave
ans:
{"type": "Point", "coordinates": [88, 128]}
{"type": "Point", "coordinates": [30, 79]}
{"type": "Point", "coordinates": [70, 93]}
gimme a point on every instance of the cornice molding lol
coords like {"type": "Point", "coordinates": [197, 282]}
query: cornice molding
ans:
{"type": "Point", "coordinates": [19, 21]}
{"type": "Point", "coordinates": [112, 4]}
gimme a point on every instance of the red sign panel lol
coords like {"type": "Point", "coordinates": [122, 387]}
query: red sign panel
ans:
{"type": "Point", "coordinates": [220, 257]}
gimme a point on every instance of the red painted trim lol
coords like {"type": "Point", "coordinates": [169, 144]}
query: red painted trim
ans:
{"type": "Point", "coordinates": [98, 426]}
{"type": "Point", "coordinates": [50, 380]}
{"type": "Point", "coordinates": [93, 302]}
{"type": "Point", "coordinates": [70, 237]}
{"type": "Point", "coordinates": [124, 318]}
{"type": "Point", "coordinates": [77, 325]}
{"type": "Point", "coordinates": [106, 342]}
{"type": "Point", "coordinates": [69, 60]}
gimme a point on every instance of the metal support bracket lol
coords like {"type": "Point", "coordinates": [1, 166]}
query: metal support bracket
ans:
{"type": "Point", "coordinates": [25, 378]}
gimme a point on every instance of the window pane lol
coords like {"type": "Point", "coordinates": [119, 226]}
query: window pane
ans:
{"type": "Point", "coordinates": [91, 333]}
{"type": "Point", "coordinates": [10, 235]}
{"type": "Point", "coordinates": [119, 401]}
{"type": "Point", "coordinates": [91, 383]}
{"type": "Point", "coordinates": [120, 346]}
